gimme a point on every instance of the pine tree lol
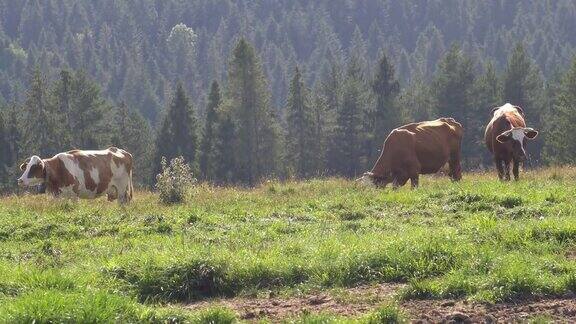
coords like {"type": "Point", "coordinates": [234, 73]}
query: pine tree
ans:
{"type": "Point", "coordinates": [486, 96]}
{"type": "Point", "coordinates": [41, 128]}
{"type": "Point", "coordinates": [331, 90]}
{"type": "Point", "coordinates": [13, 135]}
{"type": "Point", "coordinates": [560, 147]}
{"type": "Point", "coordinates": [224, 147]}
{"type": "Point", "coordinates": [87, 111]}
{"type": "Point", "coordinates": [386, 115]}
{"type": "Point", "coordinates": [210, 131]}
{"type": "Point", "coordinates": [178, 134]}
{"type": "Point", "coordinates": [302, 145]}
{"type": "Point", "coordinates": [522, 86]}
{"type": "Point", "coordinates": [518, 80]}
{"type": "Point", "coordinates": [4, 153]}
{"type": "Point", "coordinates": [256, 126]}
{"type": "Point", "coordinates": [453, 89]}
{"type": "Point", "coordinates": [61, 100]}
{"type": "Point", "coordinates": [134, 134]}
{"type": "Point", "coordinates": [349, 142]}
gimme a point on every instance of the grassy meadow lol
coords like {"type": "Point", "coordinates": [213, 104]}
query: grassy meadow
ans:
{"type": "Point", "coordinates": [479, 239]}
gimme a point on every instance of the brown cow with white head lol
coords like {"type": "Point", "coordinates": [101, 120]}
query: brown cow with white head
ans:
{"type": "Point", "coordinates": [506, 136]}
{"type": "Point", "coordinates": [82, 174]}
{"type": "Point", "coordinates": [418, 148]}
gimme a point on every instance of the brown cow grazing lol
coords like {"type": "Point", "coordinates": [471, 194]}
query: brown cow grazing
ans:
{"type": "Point", "coordinates": [418, 148]}
{"type": "Point", "coordinates": [506, 136]}
{"type": "Point", "coordinates": [82, 174]}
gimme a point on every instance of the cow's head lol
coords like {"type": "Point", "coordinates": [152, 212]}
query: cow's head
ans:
{"type": "Point", "coordinates": [370, 179]}
{"type": "Point", "coordinates": [34, 172]}
{"type": "Point", "coordinates": [518, 137]}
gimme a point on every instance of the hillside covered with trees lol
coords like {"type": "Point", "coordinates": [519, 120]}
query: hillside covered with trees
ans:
{"type": "Point", "coordinates": [246, 90]}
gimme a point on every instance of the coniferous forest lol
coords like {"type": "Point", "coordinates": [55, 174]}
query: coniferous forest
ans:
{"type": "Point", "coordinates": [249, 90]}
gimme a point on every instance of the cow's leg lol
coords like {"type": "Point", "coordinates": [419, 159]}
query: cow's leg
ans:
{"type": "Point", "coordinates": [400, 179]}
{"type": "Point", "coordinates": [507, 169]}
{"type": "Point", "coordinates": [515, 170]}
{"type": "Point", "coordinates": [414, 181]}
{"type": "Point", "coordinates": [500, 168]}
{"type": "Point", "coordinates": [455, 167]}
{"type": "Point", "coordinates": [124, 194]}
{"type": "Point", "coordinates": [112, 193]}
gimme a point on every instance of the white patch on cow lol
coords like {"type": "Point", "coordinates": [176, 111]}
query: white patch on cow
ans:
{"type": "Point", "coordinates": [92, 153]}
{"type": "Point", "coordinates": [24, 179]}
{"type": "Point", "coordinates": [95, 175]}
{"type": "Point", "coordinates": [519, 135]}
{"type": "Point", "coordinates": [77, 173]}
{"type": "Point", "coordinates": [507, 107]}
{"type": "Point", "coordinates": [120, 179]}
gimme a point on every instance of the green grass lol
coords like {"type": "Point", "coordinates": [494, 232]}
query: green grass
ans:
{"type": "Point", "coordinates": [93, 261]}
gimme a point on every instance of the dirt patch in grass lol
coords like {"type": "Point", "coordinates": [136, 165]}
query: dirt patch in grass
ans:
{"type": "Point", "coordinates": [452, 311]}
{"type": "Point", "coordinates": [349, 302]}
{"type": "Point", "coordinates": [354, 302]}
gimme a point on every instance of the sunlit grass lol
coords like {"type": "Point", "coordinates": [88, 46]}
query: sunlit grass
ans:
{"type": "Point", "coordinates": [479, 239]}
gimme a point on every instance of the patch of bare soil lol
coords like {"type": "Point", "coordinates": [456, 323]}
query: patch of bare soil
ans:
{"type": "Point", "coordinates": [353, 302]}
{"type": "Point", "coordinates": [347, 302]}
{"type": "Point", "coordinates": [561, 310]}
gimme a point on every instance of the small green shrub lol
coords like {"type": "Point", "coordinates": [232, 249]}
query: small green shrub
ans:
{"type": "Point", "coordinates": [389, 314]}
{"type": "Point", "coordinates": [174, 181]}
{"type": "Point", "coordinates": [215, 316]}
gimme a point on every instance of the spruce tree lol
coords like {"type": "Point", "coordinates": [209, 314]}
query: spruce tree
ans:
{"type": "Point", "coordinates": [349, 142]}
{"type": "Point", "coordinates": [224, 147]}
{"type": "Point", "coordinates": [41, 128]}
{"type": "Point", "coordinates": [453, 90]}
{"type": "Point", "coordinates": [86, 115]}
{"type": "Point", "coordinates": [520, 80]}
{"type": "Point", "coordinates": [61, 99]}
{"type": "Point", "coordinates": [560, 147]}
{"type": "Point", "coordinates": [522, 86]}
{"type": "Point", "coordinates": [258, 151]}
{"type": "Point", "coordinates": [134, 134]}
{"type": "Point", "coordinates": [210, 130]}
{"type": "Point", "coordinates": [302, 145]}
{"type": "Point", "coordinates": [331, 89]}
{"type": "Point", "coordinates": [486, 96]}
{"type": "Point", "coordinates": [386, 115]}
{"type": "Point", "coordinates": [178, 134]}
{"type": "Point", "coordinates": [4, 153]}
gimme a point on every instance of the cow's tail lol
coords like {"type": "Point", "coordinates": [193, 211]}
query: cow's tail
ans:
{"type": "Point", "coordinates": [130, 168]}
{"type": "Point", "coordinates": [130, 187]}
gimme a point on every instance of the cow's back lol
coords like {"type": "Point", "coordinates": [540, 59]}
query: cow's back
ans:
{"type": "Point", "coordinates": [435, 141]}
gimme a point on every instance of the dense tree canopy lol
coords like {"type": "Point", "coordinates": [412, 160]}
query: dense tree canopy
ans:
{"type": "Point", "coordinates": [282, 88]}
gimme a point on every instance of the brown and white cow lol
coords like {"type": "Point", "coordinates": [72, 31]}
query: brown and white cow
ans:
{"type": "Point", "coordinates": [506, 136]}
{"type": "Point", "coordinates": [418, 148]}
{"type": "Point", "coordinates": [82, 174]}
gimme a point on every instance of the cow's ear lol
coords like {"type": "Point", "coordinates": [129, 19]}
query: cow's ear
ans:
{"type": "Point", "coordinates": [24, 164]}
{"type": "Point", "coordinates": [520, 110]}
{"type": "Point", "coordinates": [494, 110]}
{"type": "Point", "coordinates": [530, 133]}
{"type": "Point", "coordinates": [504, 137]}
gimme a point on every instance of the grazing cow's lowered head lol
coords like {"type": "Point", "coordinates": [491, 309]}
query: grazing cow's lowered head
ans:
{"type": "Point", "coordinates": [370, 179]}
{"type": "Point", "coordinates": [517, 137]}
{"type": "Point", "coordinates": [34, 172]}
